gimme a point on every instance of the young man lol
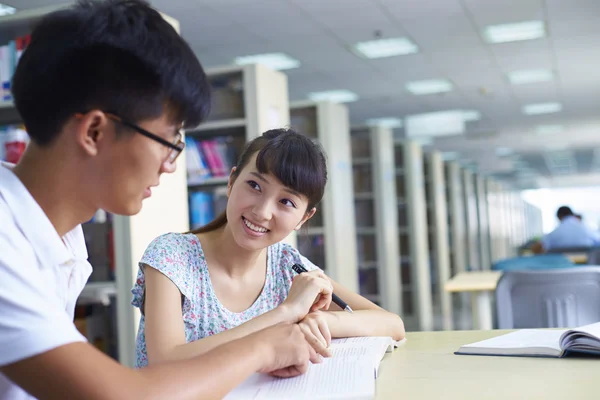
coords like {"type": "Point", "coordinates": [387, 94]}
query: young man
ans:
{"type": "Point", "coordinates": [103, 90]}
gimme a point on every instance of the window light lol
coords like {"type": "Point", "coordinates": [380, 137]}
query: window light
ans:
{"type": "Point", "coordinates": [276, 61]}
{"type": "Point", "coordinates": [526, 30]}
{"type": "Point", "coordinates": [338, 96]}
{"type": "Point", "coordinates": [381, 48]}
{"type": "Point", "coordinates": [429, 86]}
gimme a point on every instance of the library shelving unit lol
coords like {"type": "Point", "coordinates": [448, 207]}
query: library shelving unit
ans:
{"type": "Point", "coordinates": [456, 217]}
{"type": "Point", "coordinates": [483, 225]}
{"type": "Point", "coordinates": [437, 222]}
{"type": "Point", "coordinates": [246, 101]}
{"type": "Point", "coordinates": [471, 222]}
{"type": "Point", "coordinates": [329, 238]}
{"type": "Point", "coordinates": [498, 238]}
{"type": "Point", "coordinates": [376, 205]}
{"type": "Point", "coordinates": [413, 237]}
{"type": "Point", "coordinates": [115, 243]}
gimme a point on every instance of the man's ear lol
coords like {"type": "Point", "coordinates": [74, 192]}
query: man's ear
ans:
{"type": "Point", "coordinates": [308, 216]}
{"type": "Point", "coordinates": [231, 180]}
{"type": "Point", "coordinates": [90, 130]}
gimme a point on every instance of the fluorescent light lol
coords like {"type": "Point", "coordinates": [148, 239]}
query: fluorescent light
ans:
{"type": "Point", "coordinates": [276, 61]}
{"type": "Point", "coordinates": [542, 130]}
{"type": "Point", "coordinates": [429, 86]}
{"type": "Point", "coordinates": [530, 76]}
{"type": "Point", "coordinates": [526, 30]}
{"type": "Point", "coordinates": [6, 10]}
{"type": "Point", "coordinates": [388, 122]}
{"type": "Point", "coordinates": [471, 115]}
{"type": "Point", "coordinates": [381, 48]}
{"type": "Point", "coordinates": [338, 96]}
{"type": "Point", "coordinates": [441, 123]}
{"type": "Point", "coordinates": [504, 151]}
{"type": "Point", "coordinates": [542, 108]}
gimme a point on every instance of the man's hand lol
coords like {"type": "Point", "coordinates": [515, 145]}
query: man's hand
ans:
{"type": "Point", "coordinates": [317, 334]}
{"type": "Point", "coordinates": [286, 351]}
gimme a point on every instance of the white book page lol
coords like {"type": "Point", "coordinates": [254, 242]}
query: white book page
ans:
{"type": "Point", "coordinates": [335, 378]}
{"type": "Point", "coordinates": [519, 342]}
{"type": "Point", "coordinates": [592, 330]}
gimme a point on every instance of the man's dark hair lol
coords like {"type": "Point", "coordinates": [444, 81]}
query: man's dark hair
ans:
{"type": "Point", "coordinates": [118, 56]}
{"type": "Point", "coordinates": [563, 212]}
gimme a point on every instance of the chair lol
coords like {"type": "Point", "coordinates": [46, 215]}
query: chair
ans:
{"type": "Point", "coordinates": [594, 256]}
{"type": "Point", "coordinates": [541, 261]}
{"type": "Point", "coordinates": [558, 298]}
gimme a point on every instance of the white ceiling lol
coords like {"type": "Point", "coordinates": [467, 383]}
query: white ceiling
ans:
{"type": "Point", "coordinates": [448, 33]}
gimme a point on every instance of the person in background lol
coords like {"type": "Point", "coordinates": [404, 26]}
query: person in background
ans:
{"type": "Point", "coordinates": [570, 233]}
{"type": "Point", "coordinates": [103, 90]}
{"type": "Point", "coordinates": [234, 276]}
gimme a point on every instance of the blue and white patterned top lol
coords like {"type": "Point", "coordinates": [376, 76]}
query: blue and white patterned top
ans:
{"type": "Point", "coordinates": [181, 259]}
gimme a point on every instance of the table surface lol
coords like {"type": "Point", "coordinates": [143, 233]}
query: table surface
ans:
{"type": "Point", "coordinates": [473, 281]}
{"type": "Point", "coordinates": [425, 367]}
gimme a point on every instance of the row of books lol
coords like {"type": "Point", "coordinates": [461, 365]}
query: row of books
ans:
{"type": "Point", "coordinates": [13, 141]}
{"type": "Point", "coordinates": [208, 158]}
{"type": "Point", "coordinates": [9, 57]}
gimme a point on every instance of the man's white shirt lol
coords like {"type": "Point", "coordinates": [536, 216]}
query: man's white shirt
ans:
{"type": "Point", "coordinates": [41, 276]}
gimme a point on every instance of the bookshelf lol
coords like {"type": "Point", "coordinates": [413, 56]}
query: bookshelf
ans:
{"type": "Point", "coordinates": [437, 220]}
{"type": "Point", "coordinates": [413, 237]}
{"type": "Point", "coordinates": [115, 243]}
{"type": "Point", "coordinates": [246, 101]}
{"type": "Point", "coordinates": [471, 223]}
{"type": "Point", "coordinates": [497, 245]}
{"type": "Point", "coordinates": [483, 222]}
{"type": "Point", "coordinates": [456, 217]}
{"type": "Point", "coordinates": [375, 206]}
{"type": "Point", "coordinates": [328, 236]}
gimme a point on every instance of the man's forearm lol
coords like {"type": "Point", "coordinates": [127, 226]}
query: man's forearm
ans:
{"type": "Point", "coordinates": [364, 323]}
{"type": "Point", "coordinates": [210, 377]}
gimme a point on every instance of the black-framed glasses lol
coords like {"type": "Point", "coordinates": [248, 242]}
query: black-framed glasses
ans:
{"type": "Point", "coordinates": [175, 148]}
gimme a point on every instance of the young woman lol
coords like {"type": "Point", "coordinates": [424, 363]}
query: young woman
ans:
{"type": "Point", "coordinates": [233, 276]}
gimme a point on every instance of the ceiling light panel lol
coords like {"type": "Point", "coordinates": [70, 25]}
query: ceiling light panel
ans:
{"type": "Point", "coordinates": [542, 108]}
{"type": "Point", "coordinates": [527, 30]}
{"type": "Point", "coordinates": [429, 86]}
{"type": "Point", "coordinates": [337, 96]}
{"type": "Point", "coordinates": [530, 76]}
{"type": "Point", "coordinates": [388, 122]}
{"type": "Point", "coordinates": [382, 48]}
{"type": "Point", "coordinates": [276, 61]}
{"type": "Point", "coordinates": [6, 10]}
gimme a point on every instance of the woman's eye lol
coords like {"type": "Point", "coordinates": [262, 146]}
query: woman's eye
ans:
{"type": "Point", "coordinates": [288, 203]}
{"type": "Point", "coordinates": [253, 185]}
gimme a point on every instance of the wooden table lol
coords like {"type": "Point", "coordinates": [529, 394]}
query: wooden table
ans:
{"type": "Point", "coordinates": [426, 368]}
{"type": "Point", "coordinates": [481, 284]}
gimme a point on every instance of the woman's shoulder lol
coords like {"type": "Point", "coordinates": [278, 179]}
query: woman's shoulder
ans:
{"type": "Point", "coordinates": [171, 246]}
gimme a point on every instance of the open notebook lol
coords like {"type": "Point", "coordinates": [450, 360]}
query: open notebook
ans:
{"type": "Point", "coordinates": [349, 374]}
{"type": "Point", "coordinates": [539, 343]}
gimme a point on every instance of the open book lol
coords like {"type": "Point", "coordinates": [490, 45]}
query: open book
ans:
{"type": "Point", "coordinates": [539, 343]}
{"type": "Point", "coordinates": [348, 374]}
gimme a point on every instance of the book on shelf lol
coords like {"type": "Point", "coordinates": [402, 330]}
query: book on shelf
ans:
{"type": "Point", "coordinates": [204, 206]}
{"type": "Point", "coordinates": [9, 57]}
{"type": "Point", "coordinates": [209, 158]}
{"type": "Point", "coordinates": [349, 373]}
{"type": "Point", "coordinates": [555, 343]}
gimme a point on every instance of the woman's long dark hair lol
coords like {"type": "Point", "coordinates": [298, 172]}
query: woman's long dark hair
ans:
{"type": "Point", "coordinates": [294, 159]}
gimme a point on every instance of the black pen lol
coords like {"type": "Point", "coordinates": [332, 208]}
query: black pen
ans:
{"type": "Point", "coordinates": [343, 305]}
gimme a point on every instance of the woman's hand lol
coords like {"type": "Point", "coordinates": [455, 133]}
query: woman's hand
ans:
{"type": "Point", "coordinates": [310, 291]}
{"type": "Point", "coordinates": [317, 334]}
